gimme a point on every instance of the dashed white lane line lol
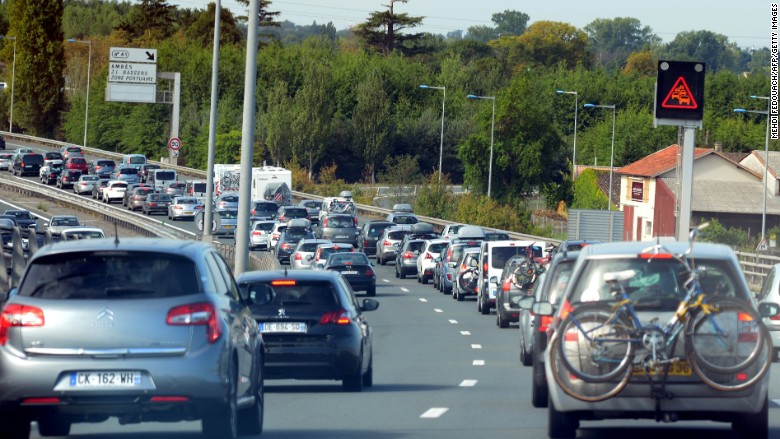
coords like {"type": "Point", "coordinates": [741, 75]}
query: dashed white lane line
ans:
{"type": "Point", "coordinates": [434, 412]}
{"type": "Point", "coordinates": [438, 310]}
{"type": "Point", "coordinates": [468, 383]}
{"type": "Point", "coordinates": [476, 346]}
{"type": "Point", "coordinates": [776, 402]}
{"type": "Point", "coordinates": [385, 280]}
{"type": "Point", "coordinates": [478, 363]}
{"type": "Point", "coordinates": [404, 290]}
{"type": "Point", "coordinates": [423, 299]}
{"type": "Point", "coordinates": [465, 332]}
{"type": "Point", "coordinates": [454, 322]}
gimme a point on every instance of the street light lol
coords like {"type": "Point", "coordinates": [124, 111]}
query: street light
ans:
{"type": "Point", "coordinates": [766, 156]}
{"type": "Point", "coordinates": [492, 132]}
{"type": "Point", "coordinates": [574, 154]}
{"type": "Point", "coordinates": [612, 153]}
{"type": "Point", "coordinates": [13, 79]}
{"type": "Point", "coordinates": [441, 144]}
{"type": "Point", "coordinates": [89, 65]}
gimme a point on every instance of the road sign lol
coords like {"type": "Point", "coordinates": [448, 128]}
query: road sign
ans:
{"type": "Point", "coordinates": [132, 73]}
{"type": "Point", "coordinates": [131, 54]}
{"type": "Point", "coordinates": [174, 143]}
{"type": "Point", "coordinates": [142, 93]}
{"type": "Point", "coordinates": [762, 246]}
{"type": "Point", "coordinates": [174, 153]}
{"type": "Point", "coordinates": [679, 94]}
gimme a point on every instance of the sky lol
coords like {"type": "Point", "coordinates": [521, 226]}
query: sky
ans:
{"type": "Point", "coordinates": [746, 22]}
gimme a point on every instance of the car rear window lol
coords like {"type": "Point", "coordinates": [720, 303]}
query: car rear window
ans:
{"type": "Point", "coordinates": [229, 199]}
{"type": "Point", "coordinates": [128, 171]}
{"type": "Point", "coordinates": [415, 246]}
{"type": "Point", "coordinates": [502, 254]}
{"type": "Point", "coordinates": [165, 175]}
{"type": "Point", "coordinates": [293, 295]}
{"type": "Point", "coordinates": [264, 226]}
{"type": "Point", "coordinates": [397, 234]}
{"type": "Point", "coordinates": [309, 247]}
{"type": "Point", "coordinates": [78, 160]}
{"type": "Point", "coordinates": [296, 233]}
{"type": "Point", "coordinates": [437, 247]}
{"type": "Point", "coordinates": [109, 275]}
{"type": "Point", "coordinates": [656, 284]}
{"type": "Point", "coordinates": [266, 207]}
{"type": "Point", "coordinates": [137, 160]}
{"type": "Point", "coordinates": [348, 259]}
{"type": "Point", "coordinates": [106, 163]}
{"type": "Point", "coordinates": [327, 251]}
{"type": "Point", "coordinates": [405, 219]}
{"type": "Point", "coordinates": [228, 214]}
{"type": "Point", "coordinates": [375, 230]}
{"type": "Point", "coordinates": [493, 236]}
{"type": "Point", "coordinates": [340, 222]}
{"type": "Point", "coordinates": [560, 278]}
{"type": "Point", "coordinates": [33, 158]}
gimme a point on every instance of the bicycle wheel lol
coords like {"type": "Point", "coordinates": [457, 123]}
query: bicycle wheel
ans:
{"type": "Point", "coordinates": [595, 345]}
{"type": "Point", "coordinates": [577, 388]}
{"type": "Point", "coordinates": [727, 340]}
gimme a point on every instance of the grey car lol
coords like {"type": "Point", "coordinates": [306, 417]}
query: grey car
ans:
{"type": "Point", "coordinates": [58, 223]}
{"type": "Point", "coordinates": [184, 208]}
{"type": "Point", "coordinates": [386, 247]}
{"type": "Point", "coordinates": [135, 199]}
{"type": "Point", "coordinates": [303, 256]}
{"type": "Point", "coordinates": [157, 203]}
{"type": "Point", "coordinates": [85, 184]}
{"type": "Point", "coordinates": [406, 258]}
{"type": "Point", "coordinates": [339, 227]}
{"type": "Point", "coordinates": [313, 207]}
{"type": "Point", "coordinates": [142, 329]}
{"type": "Point", "coordinates": [227, 201]}
{"type": "Point", "coordinates": [228, 221]}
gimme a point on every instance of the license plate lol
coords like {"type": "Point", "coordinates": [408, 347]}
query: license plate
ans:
{"type": "Point", "coordinates": [297, 327]}
{"type": "Point", "coordinates": [188, 213]}
{"type": "Point", "coordinates": [105, 379]}
{"type": "Point", "coordinates": [342, 236]}
{"type": "Point", "coordinates": [227, 226]}
{"type": "Point", "coordinates": [679, 368]}
{"type": "Point", "coordinates": [349, 272]}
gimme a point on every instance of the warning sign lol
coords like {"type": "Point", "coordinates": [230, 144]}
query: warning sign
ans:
{"type": "Point", "coordinates": [680, 96]}
{"type": "Point", "coordinates": [762, 246]}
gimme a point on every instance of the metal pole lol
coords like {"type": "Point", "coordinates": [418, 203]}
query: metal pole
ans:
{"type": "Point", "coordinates": [612, 157]}
{"type": "Point", "coordinates": [766, 169]}
{"type": "Point", "coordinates": [208, 214]}
{"type": "Point", "coordinates": [13, 79]}
{"type": "Point", "coordinates": [441, 145]}
{"type": "Point", "coordinates": [492, 132]}
{"type": "Point", "coordinates": [247, 142]}
{"type": "Point", "coordinates": [686, 186]}
{"type": "Point", "coordinates": [86, 110]}
{"type": "Point", "coordinates": [574, 154]}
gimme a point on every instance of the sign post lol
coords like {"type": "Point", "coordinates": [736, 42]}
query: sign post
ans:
{"type": "Point", "coordinates": [679, 101]}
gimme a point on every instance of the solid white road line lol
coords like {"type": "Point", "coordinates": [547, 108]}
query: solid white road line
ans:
{"type": "Point", "coordinates": [476, 346]}
{"type": "Point", "coordinates": [454, 322]}
{"type": "Point", "coordinates": [404, 290]}
{"type": "Point", "coordinates": [437, 310]}
{"type": "Point", "coordinates": [468, 383]}
{"type": "Point", "coordinates": [478, 363]}
{"type": "Point", "coordinates": [465, 332]}
{"type": "Point", "coordinates": [434, 412]}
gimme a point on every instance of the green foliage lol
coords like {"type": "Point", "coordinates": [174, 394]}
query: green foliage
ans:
{"type": "Point", "coordinates": [731, 236]}
{"type": "Point", "coordinates": [382, 31]}
{"type": "Point", "coordinates": [487, 212]}
{"type": "Point", "coordinates": [587, 193]}
{"type": "Point", "coordinates": [612, 40]}
{"type": "Point", "coordinates": [84, 18]}
{"type": "Point", "coordinates": [507, 23]}
{"type": "Point", "coordinates": [401, 170]}
{"type": "Point", "coordinates": [152, 19]}
{"type": "Point", "coordinates": [434, 199]}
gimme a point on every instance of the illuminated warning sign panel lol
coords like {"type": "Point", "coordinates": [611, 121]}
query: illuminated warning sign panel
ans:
{"type": "Point", "coordinates": [680, 90]}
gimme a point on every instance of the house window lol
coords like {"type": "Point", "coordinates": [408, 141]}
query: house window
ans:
{"type": "Point", "coordinates": [637, 191]}
{"type": "Point", "coordinates": [648, 228]}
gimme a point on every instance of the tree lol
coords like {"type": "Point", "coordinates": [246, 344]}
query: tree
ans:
{"type": "Point", "coordinates": [711, 48]}
{"type": "Point", "coordinates": [152, 19]}
{"type": "Point", "coordinates": [372, 122]}
{"type": "Point", "coordinates": [612, 39]}
{"type": "Point", "coordinates": [507, 23]}
{"type": "Point", "coordinates": [382, 31]}
{"type": "Point", "coordinates": [642, 63]}
{"type": "Point", "coordinates": [587, 192]}
{"type": "Point", "coordinates": [313, 113]}
{"type": "Point", "coordinates": [277, 120]}
{"type": "Point", "coordinates": [40, 62]}
{"type": "Point", "coordinates": [266, 19]}
{"type": "Point", "coordinates": [545, 43]}
{"type": "Point", "coordinates": [201, 29]}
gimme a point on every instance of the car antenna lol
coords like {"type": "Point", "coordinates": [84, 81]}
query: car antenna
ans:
{"type": "Point", "coordinates": [116, 234]}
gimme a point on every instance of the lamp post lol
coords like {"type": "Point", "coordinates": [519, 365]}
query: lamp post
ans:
{"type": "Point", "coordinates": [13, 79]}
{"type": "Point", "coordinates": [441, 142]}
{"type": "Point", "coordinates": [492, 132]}
{"type": "Point", "coordinates": [612, 153]}
{"type": "Point", "coordinates": [766, 157]}
{"type": "Point", "coordinates": [89, 66]}
{"type": "Point", "coordinates": [574, 147]}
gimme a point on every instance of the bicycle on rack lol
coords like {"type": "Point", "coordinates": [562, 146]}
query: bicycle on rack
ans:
{"type": "Point", "coordinates": [602, 344]}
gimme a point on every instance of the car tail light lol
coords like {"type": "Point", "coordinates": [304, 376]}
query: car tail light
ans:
{"type": "Point", "coordinates": [742, 376]}
{"type": "Point", "coordinates": [449, 253]}
{"type": "Point", "coordinates": [169, 399]}
{"type": "Point", "coordinates": [462, 267]}
{"type": "Point", "coordinates": [252, 212]}
{"type": "Point", "coordinates": [281, 218]}
{"type": "Point", "coordinates": [387, 243]}
{"type": "Point", "coordinates": [18, 315]}
{"type": "Point", "coordinates": [178, 207]}
{"type": "Point", "coordinates": [507, 285]}
{"type": "Point", "coordinates": [152, 204]}
{"type": "Point", "coordinates": [325, 222]}
{"type": "Point", "coordinates": [196, 314]}
{"type": "Point", "coordinates": [655, 256]}
{"type": "Point", "coordinates": [42, 400]}
{"type": "Point", "coordinates": [408, 255]}
{"type": "Point", "coordinates": [428, 255]}
{"type": "Point", "coordinates": [484, 267]}
{"type": "Point", "coordinates": [298, 257]}
{"type": "Point", "coordinates": [449, 276]}
{"type": "Point", "coordinates": [257, 233]}
{"type": "Point", "coordinates": [340, 317]}
{"type": "Point", "coordinates": [198, 207]}
{"type": "Point", "coordinates": [369, 271]}
{"type": "Point", "coordinates": [283, 283]}
{"type": "Point", "coordinates": [285, 246]}
{"type": "Point", "coordinates": [275, 235]}
{"type": "Point", "coordinates": [545, 323]}
{"type": "Point", "coordinates": [355, 220]}
{"type": "Point", "coordinates": [365, 242]}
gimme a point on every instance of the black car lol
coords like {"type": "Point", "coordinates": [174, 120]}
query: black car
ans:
{"type": "Point", "coordinates": [313, 326]}
{"type": "Point", "coordinates": [50, 176]}
{"type": "Point", "coordinates": [67, 178]}
{"type": "Point", "coordinates": [369, 235]}
{"type": "Point", "coordinates": [295, 231]}
{"type": "Point", "coordinates": [286, 213]}
{"type": "Point", "coordinates": [263, 210]}
{"type": "Point", "coordinates": [157, 203]}
{"type": "Point", "coordinates": [102, 167]}
{"type": "Point", "coordinates": [27, 164]}
{"type": "Point", "coordinates": [24, 218]}
{"type": "Point", "coordinates": [356, 269]}
{"type": "Point", "coordinates": [313, 207]}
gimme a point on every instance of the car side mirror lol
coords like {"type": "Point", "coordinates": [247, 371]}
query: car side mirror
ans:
{"type": "Point", "coordinates": [369, 305]}
{"type": "Point", "coordinates": [451, 264]}
{"type": "Point", "coordinates": [527, 302]}
{"type": "Point", "coordinates": [494, 280]}
{"type": "Point", "coordinates": [542, 308]}
{"type": "Point", "coordinates": [768, 309]}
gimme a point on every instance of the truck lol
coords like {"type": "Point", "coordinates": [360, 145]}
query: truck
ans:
{"type": "Point", "coordinates": [226, 177]}
{"type": "Point", "coordinates": [272, 183]}
{"type": "Point", "coordinates": [196, 188]}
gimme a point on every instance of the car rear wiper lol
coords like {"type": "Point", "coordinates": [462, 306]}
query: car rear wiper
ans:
{"type": "Point", "coordinates": [294, 303]}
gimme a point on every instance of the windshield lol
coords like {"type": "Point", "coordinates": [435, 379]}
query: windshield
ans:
{"type": "Point", "coordinates": [137, 160]}
{"type": "Point", "coordinates": [347, 259]}
{"type": "Point", "coordinates": [165, 175]}
{"type": "Point", "coordinates": [128, 171]}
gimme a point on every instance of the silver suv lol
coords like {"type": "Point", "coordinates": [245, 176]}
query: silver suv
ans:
{"type": "Point", "coordinates": [670, 394]}
{"type": "Point", "coordinates": [140, 329]}
{"type": "Point", "coordinates": [386, 248]}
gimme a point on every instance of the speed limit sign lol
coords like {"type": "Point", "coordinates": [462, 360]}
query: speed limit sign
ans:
{"type": "Point", "coordinates": [174, 143]}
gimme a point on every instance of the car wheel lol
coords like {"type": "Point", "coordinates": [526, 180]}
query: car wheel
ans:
{"type": "Point", "coordinates": [371, 291]}
{"type": "Point", "coordinates": [753, 424]}
{"type": "Point", "coordinates": [250, 419]}
{"type": "Point", "coordinates": [423, 280]}
{"type": "Point", "coordinates": [354, 381]}
{"type": "Point", "coordinates": [396, 272]}
{"type": "Point", "coordinates": [15, 427]}
{"type": "Point", "coordinates": [479, 304]}
{"type": "Point", "coordinates": [222, 422]}
{"type": "Point", "coordinates": [526, 359]}
{"type": "Point", "coordinates": [458, 296]}
{"type": "Point", "coordinates": [539, 390]}
{"type": "Point", "coordinates": [561, 425]}
{"type": "Point", "coordinates": [368, 377]}
{"type": "Point", "coordinates": [500, 320]}
{"type": "Point", "coordinates": [380, 260]}
{"type": "Point", "coordinates": [51, 425]}
{"type": "Point", "coordinates": [485, 309]}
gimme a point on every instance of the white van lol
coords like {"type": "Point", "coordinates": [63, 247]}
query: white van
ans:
{"type": "Point", "coordinates": [159, 179]}
{"type": "Point", "coordinates": [493, 256]}
{"type": "Point", "coordinates": [133, 160]}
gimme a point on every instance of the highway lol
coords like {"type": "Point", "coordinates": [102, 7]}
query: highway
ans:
{"type": "Point", "coordinates": [441, 370]}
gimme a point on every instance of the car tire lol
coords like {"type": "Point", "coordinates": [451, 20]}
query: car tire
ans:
{"type": "Point", "coordinates": [539, 390]}
{"type": "Point", "coordinates": [371, 292]}
{"type": "Point", "coordinates": [250, 419]}
{"type": "Point", "coordinates": [423, 280]}
{"type": "Point", "coordinates": [15, 427]}
{"type": "Point", "coordinates": [561, 425]}
{"type": "Point", "coordinates": [354, 381]}
{"type": "Point", "coordinates": [396, 272]}
{"type": "Point", "coordinates": [51, 425]}
{"type": "Point", "coordinates": [222, 422]}
{"type": "Point", "coordinates": [458, 296]}
{"type": "Point", "coordinates": [368, 377]}
{"type": "Point", "coordinates": [753, 424]}
{"type": "Point", "coordinates": [501, 321]}
{"type": "Point", "coordinates": [526, 358]}
{"type": "Point", "coordinates": [485, 310]}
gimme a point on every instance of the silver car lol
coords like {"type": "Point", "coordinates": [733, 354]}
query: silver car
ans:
{"type": "Point", "coordinates": [303, 256]}
{"type": "Point", "coordinates": [58, 223]}
{"type": "Point", "coordinates": [228, 220]}
{"type": "Point", "coordinates": [184, 208]}
{"type": "Point", "coordinates": [226, 201]}
{"type": "Point", "coordinates": [85, 184]}
{"type": "Point", "coordinates": [6, 161]}
{"type": "Point", "coordinates": [386, 248]}
{"type": "Point", "coordinates": [142, 329]}
{"type": "Point", "coordinates": [261, 234]}
{"type": "Point", "coordinates": [770, 292]}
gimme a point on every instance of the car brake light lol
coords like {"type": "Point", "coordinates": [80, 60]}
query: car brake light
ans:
{"type": "Point", "coordinates": [340, 317]}
{"type": "Point", "coordinates": [655, 256]}
{"type": "Point", "coordinates": [257, 233]}
{"type": "Point", "coordinates": [428, 255]}
{"type": "Point", "coordinates": [42, 400]}
{"type": "Point", "coordinates": [369, 271]}
{"type": "Point", "coordinates": [507, 285]}
{"type": "Point", "coordinates": [19, 315]}
{"type": "Point", "coordinates": [286, 246]}
{"type": "Point", "coordinates": [196, 314]}
{"type": "Point", "coordinates": [283, 283]}
{"type": "Point", "coordinates": [325, 222]}
{"type": "Point", "coordinates": [545, 323]}
{"type": "Point", "coordinates": [408, 255]}
{"type": "Point", "coordinates": [169, 399]}
{"type": "Point", "coordinates": [387, 243]}
{"type": "Point", "coordinates": [355, 220]}
{"type": "Point", "coordinates": [462, 267]}
{"type": "Point", "coordinates": [178, 207]}
{"type": "Point", "coordinates": [298, 257]}
{"type": "Point", "coordinates": [484, 267]}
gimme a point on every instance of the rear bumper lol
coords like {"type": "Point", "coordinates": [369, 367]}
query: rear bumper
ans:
{"type": "Point", "coordinates": [334, 357]}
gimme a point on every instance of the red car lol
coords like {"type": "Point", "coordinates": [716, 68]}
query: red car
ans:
{"type": "Point", "coordinates": [77, 163]}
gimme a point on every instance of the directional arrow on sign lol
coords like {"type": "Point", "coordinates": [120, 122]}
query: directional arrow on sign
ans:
{"type": "Point", "coordinates": [149, 56]}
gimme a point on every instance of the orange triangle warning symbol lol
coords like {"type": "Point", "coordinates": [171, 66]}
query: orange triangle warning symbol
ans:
{"type": "Point", "coordinates": [680, 96]}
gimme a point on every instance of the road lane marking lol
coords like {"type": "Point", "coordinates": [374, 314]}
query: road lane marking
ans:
{"type": "Point", "coordinates": [404, 290]}
{"type": "Point", "coordinates": [434, 412]}
{"type": "Point", "coordinates": [438, 310]}
{"type": "Point", "coordinates": [423, 299]}
{"type": "Point", "coordinates": [385, 280]}
{"type": "Point", "coordinates": [465, 332]}
{"type": "Point", "coordinates": [478, 363]}
{"type": "Point", "coordinates": [476, 346]}
{"type": "Point", "coordinates": [454, 322]}
{"type": "Point", "coordinates": [776, 402]}
{"type": "Point", "coordinates": [468, 383]}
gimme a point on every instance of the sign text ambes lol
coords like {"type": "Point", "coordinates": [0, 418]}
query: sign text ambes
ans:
{"type": "Point", "coordinates": [132, 73]}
